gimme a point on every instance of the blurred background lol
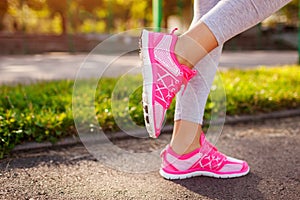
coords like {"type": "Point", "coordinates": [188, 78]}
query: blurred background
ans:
{"type": "Point", "coordinates": [38, 26]}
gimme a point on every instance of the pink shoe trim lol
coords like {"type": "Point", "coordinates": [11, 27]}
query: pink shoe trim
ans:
{"type": "Point", "coordinates": [198, 167]}
{"type": "Point", "coordinates": [244, 169]}
{"type": "Point", "coordinates": [167, 164]}
{"type": "Point", "coordinates": [173, 31]}
{"type": "Point", "coordinates": [202, 139]}
{"type": "Point", "coordinates": [181, 157]}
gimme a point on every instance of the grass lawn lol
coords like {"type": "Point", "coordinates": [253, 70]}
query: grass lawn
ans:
{"type": "Point", "coordinates": [43, 111]}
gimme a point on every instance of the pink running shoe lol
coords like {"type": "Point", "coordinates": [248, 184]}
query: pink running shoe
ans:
{"type": "Point", "coordinates": [205, 161]}
{"type": "Point", "coordinates": [163, 77]}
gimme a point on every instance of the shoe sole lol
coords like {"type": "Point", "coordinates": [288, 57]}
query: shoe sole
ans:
{"type": "Point", "coordinates": [147, 85]}
{"type": "Point", "coordinates": [200, 173]}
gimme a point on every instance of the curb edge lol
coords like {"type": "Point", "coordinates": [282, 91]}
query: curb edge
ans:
{"type": "Point", "coordinates": [230, 120]}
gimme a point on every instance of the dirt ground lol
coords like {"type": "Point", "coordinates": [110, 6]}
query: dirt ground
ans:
{"type": "Point", "coordinates": [270, 147]}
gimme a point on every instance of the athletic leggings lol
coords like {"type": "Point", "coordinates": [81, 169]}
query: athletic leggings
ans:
{"type": "Point", "coordinates": [225, 18]}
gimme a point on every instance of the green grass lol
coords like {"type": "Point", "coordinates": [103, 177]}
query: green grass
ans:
{"type": "Point", "coordinates": [43, 111]}
{"type": "Point", "coordinates": [262, 90]}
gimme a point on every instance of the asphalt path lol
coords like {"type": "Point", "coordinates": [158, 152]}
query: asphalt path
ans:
{"type": "Point", "coordinates": [28, 68]}
{"type": "Point", "coordinates": [270, 147]}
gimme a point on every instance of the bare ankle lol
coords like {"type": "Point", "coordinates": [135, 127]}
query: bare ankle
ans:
{"type": "Point", "coordinates": [196, 43]}
{"type": "Point", "coordinates": [183, 61]}
{"type": "Point", "coordinates": [182, 149]}
{"type": "Point", "coordinates": [181, 53]}
{"type": "Point", "coordinates": [186, 137]}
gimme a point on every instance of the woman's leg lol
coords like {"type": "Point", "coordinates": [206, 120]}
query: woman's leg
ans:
{"type": "Point", "coordinates": [190, 105]}
{"type": "Point", "coordinates": [227, 19]}
{"type": "Point", "coordinates": [164, 75]}
{"type": "Point", "coordinates": [168, 59]}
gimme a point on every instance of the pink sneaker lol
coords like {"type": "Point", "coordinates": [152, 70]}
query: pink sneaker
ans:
{"type": "Point", "coordinates": [205, 161]}
{"type": "Point", "coordinates": [163, 77]}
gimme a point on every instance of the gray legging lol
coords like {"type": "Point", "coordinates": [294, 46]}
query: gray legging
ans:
{"type": "Point", "coordinates": [225, 18]}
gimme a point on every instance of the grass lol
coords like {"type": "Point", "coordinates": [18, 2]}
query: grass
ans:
{"type": "Point", "coordinates": [262, 89]}
{"type": "Point", "coordinates": [43, 111]}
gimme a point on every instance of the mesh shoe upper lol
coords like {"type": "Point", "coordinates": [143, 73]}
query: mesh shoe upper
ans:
{"type": "Point", "coordinates": [207, 161]}
{"type": "Point", "coordinates": [164, 74]}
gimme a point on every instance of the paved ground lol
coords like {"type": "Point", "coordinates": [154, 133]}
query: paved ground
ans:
{"type": "Point", "coordinates": [61, 65]}
{"type": "Point", "coordinates": [271, 148]}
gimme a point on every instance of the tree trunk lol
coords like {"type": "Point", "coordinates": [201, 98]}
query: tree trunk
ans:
{"type": "Point", "coordinates": [3, 11]}
{"type": "Point", "coordinates": [64, 23]}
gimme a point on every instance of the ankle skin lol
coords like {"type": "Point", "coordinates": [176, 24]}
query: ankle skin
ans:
{"type": "Point", "coordinates": [186, 137]}
{"type": "Point", "coordinates": [194, 44]}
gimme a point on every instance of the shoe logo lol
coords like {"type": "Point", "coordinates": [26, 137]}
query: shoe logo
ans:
{"type": "Point", "coordinates": [211, 162]}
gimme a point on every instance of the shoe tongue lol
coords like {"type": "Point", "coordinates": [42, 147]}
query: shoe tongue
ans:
{"type": "Point", "coordinates": [202, 139]}
{"type": "Point", "coordinates": [206, 147]}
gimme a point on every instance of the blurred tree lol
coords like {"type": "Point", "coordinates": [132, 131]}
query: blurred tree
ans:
{"type": "Point", "coordinates": [60, 7]}
{"type": "Point", "coordinates": [35, 4]}
{"type": "Point", "coordinates": [3, 10]}
{"type": "Point", "coordinates": [174, 7]}
{"type": "Point", "coordinates": [129, 14]}
{"type": "Point", "coordinates": [90, 5]}
{"type": "Point", "coordinates": [138, 13]}
{"type": "Point", "coordinates": [291, 12]}
{"type": "Point", "coordinates": [77, 16]}
{"type": "Point", "coordinates": [86, 10]}
{"type": "Point", "coordinates": [118, 15]}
